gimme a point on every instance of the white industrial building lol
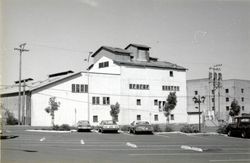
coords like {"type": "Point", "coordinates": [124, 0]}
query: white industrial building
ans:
{"type": "Point", "coordinates": [138, 82]}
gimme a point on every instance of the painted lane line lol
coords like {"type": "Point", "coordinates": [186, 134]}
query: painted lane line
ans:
{"type": "Point", "coordinates": [162, 135]}
{"type": "Point", "coordinates": [42, 139]}
{"type": "Point", "coordinates": [238, 160]}
{"type": "Point", "coordinates": [82, 142]}
{"type": "Point", "coordinates": [186, 147]}
{"type": "Point", "coordinates": [184, 154]}
{"type": "Point", "coordinates": [131, 145]}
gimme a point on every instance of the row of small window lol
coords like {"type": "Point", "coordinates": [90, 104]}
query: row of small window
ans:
{"type": "Point", "coordinates": [138, 117]}
{"type": "Point", "coordinates": [103, 64]}
{"type": "Point", "coordinates": [227, 90]}
{"type": "Point", "coordinates": [79, 88]}
{"type": "Point", "coordinates": [170, 88]}
{"type": "Point", "coordinates": [242, 108]}
{"type": "Point", "coordinates": [227, 99]}
{"type": "Point", "coordinates": [139, 86]}
{"type": "Point", "coordinates": [96, 100]}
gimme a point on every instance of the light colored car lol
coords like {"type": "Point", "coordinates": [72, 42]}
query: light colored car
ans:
{"type": "Point", "coordinates": [140, 127]}
{"type": "Point", "coordinates": [108, 125]}
{"type": "Point", "coordinates": [84, 126]}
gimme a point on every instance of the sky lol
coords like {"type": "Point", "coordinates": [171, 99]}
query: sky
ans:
{"type": "Point", "coordinates": [195, 34]}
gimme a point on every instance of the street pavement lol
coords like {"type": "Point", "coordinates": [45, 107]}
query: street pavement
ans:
{"type": "Point", "coordinates": [94, 147]}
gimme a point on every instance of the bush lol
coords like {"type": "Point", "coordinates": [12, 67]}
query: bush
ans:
{"type": "Point", "coordinates": [124, 127]}
{"type": "Point", "coordinates": [222, 129]}
{"type": "Point", "coordinates": [64, 127]}
{"type": "Point", "coordinates": [156, 128]}
{"type": "Point", "coordinates": [10, 119]}
{"type": "Point", "coordinates": [189, 129]}
{"type": "Point", "coordinates": [168, 128]}
{"type": "Point", "coordinates": [55, 127]}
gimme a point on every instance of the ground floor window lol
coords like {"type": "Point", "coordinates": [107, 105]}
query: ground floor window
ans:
{"type": "Point", "coordinates": [138, 117]}
{"type": "Point", "coordinates": [156, 117]}
{"type": "Point", "coordinates": [95, 100]}
{"type": "Point", "coordinates": [95, 118]}
{"type": "Point", "coordinates": [172, 116]}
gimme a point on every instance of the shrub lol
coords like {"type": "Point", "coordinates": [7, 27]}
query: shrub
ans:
{"type": "Point", "coordinates": [189, 129]}
{"type": "Point", "coordinates": [55, 127]}
{"type": "Point", "coordinates": [64, 127]}
{"type": "Point", "coordinates": [156, 128]}
{"type": "Point", "coordinates": [222, 129]}
{"type": "Point", "coordinates": [124, 127]}
{"type": "Point", "coordinates": [10, 119]}
{"type": "Point", "coordinates": [168, 128]}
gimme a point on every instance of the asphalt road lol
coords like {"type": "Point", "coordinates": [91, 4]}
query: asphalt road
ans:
{"type": "Point", "coordinates": [93, 147]}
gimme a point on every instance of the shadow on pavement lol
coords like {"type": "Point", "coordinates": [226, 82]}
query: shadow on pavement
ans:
{"type": "Point", "coordinates": [8, 136]}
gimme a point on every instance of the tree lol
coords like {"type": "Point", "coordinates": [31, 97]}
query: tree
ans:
{"type": "Point", "coordinates": [235, 108]}
{"type": "Point", "coordinates": [53, 106]}
{"type": "Point", "coordinates": [115, 110]}
{"type": "Point", "coordinates": [170, 104]}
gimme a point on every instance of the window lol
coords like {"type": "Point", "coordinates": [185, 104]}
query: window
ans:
{"type": "Point", "coordinates": [227, 90]}
{"type": "Point", "coordinates": [138, 117]}
{"type": "Point", "coordinates": [212, 91]}
{"type": "Point", "coordinates": [156, 117]}
{"type": "Point", "coordinates": [227, 99]}
{"type": "Point", "coordinates": [159, 104]}
{"type": "Point", "coordinates": [178, 88]}
{"type": "Point", "coordinates": [139, 86]}
{"type": "Point", "coordinates": [242, 99]}
{"type": "Point", "coordinates": [79, 88]}
{"type": "Point", "coordinates": [95, 100]}
{"type": "Point", "coordinates": [138, 101]}
{"type": "Point", "coordinates": [212, 99]}
{"type": "Point", "coordinates": [213, 108]}
{"type": "Point", "coordinates": [171, 73]}
{"type": "Point", "coordinates": [227, 108]}
{"type": "Point", "coordinates": [242, 108]}
{"type": "Point", "coordinates": [103, 64]}
{"type": "Point", "coordinates": [195, 92]}
{"type": "Point", "coordinates": [155, 102]}
{"type": "Point", "coordinates": [105, 101]}
{"type": "Point", "coordinates": [242, 90]}
{"type": "Point", "coordinates": [172, 116]}
{"type": "Point", "coordinates": [95, 118]}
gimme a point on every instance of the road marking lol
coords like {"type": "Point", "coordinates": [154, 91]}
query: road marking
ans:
{"type": "Point", "coordinates": [42, 139]}
{"type": "Point", "coordinates": [82, 142]}
{"type": "Point", "coordinates": [127, 134]}
{"type": "Point", "coordinates": [239, 160]}
{"type": "Point", "coordinates": [162, 135]}
{"type": "Point", "coordinates": [186, 147]}
{"type": "Point", "coordinates": [131, 145]}
{"type": "Point", "coordinates": [184, 154]}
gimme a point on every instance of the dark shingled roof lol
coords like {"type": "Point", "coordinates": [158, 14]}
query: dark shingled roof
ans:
{"type": "Point", "coordinates": [158, 64]}
{"type": "Point", "coordinates": [113, 50]}
{"type": "Point", "coordinates": [138, 45]}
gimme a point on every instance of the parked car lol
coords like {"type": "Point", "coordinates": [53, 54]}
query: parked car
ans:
{"type": "Point", "coordinates": [140, 127]}
{"type": "Point", "coordinates": [240, 126]}
{"type": "Point", "coordinates": [108, 125]}
{"type": "Point", "coordinates": [84, 126]}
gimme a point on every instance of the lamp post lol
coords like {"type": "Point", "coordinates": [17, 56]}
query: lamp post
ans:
{"type": "Point", "coordinates": [199, 100]}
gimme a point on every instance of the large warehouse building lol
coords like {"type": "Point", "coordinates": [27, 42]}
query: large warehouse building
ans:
{"type": "Point", "coordinates": [130, 76]}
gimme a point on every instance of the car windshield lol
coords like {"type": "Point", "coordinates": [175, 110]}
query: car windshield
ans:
{"type": "Point", "coordinates": [83, 123]}
{"type": "Point", "coordinates": [108, 123]}
{"type": "Point", "coordinates": [142, 123]}
{"type": "Point", "coordinates": [247, 120]}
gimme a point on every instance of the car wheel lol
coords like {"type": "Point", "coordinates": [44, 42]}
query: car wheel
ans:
{"type": "Point", "coordinates": [229, 133]}
{"type": "Point", "coordinates": [243, 134]}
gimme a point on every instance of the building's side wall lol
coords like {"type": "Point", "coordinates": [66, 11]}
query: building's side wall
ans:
{"type": "Point", "coordinates": [73, 106]}
{"type": "Point", "coordinates": [155, 78]}
{"type": "Point", "coordinates": [112, 68]}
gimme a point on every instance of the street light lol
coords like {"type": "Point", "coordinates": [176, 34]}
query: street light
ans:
{"type": "Point", "coordinates": [199, 100]}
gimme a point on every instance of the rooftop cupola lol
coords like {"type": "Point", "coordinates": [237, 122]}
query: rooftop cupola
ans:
{"type": "Point", "coordinates": [138, 52]}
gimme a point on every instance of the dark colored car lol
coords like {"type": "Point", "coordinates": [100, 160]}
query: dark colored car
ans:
{"type": "Point", "coordinates": [84, 126]}
{"type": "Point", "coordinates": [140, 127]}
{"type": "Point", "coordinates": [240, 126]}
{"type": "Point", "coordinates": [108, 125]}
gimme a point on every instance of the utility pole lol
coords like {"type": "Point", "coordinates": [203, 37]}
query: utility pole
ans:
{"type": "Point", "coordinates": [198, 100]}
{"type": "Point", "coordinates": [21, 50]}
{"type": "Point", "coordinates": [215, 77]}
{"type": "Point", "coordinates": [88, 60]}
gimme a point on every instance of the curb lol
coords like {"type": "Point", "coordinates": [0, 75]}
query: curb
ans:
{"type": "Point", "coordinates": [51, 131]}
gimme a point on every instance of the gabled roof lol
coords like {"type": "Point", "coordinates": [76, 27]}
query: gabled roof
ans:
{"type": "Point", "coordinates": [138, 46]}
{"type": "Point", "coordinates": [114, 50]}
{"type": "Point", "coordinates": [157, 64]}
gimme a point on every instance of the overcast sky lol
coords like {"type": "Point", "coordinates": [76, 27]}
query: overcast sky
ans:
{"type": "Point", "coordinates": [60, 34]}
